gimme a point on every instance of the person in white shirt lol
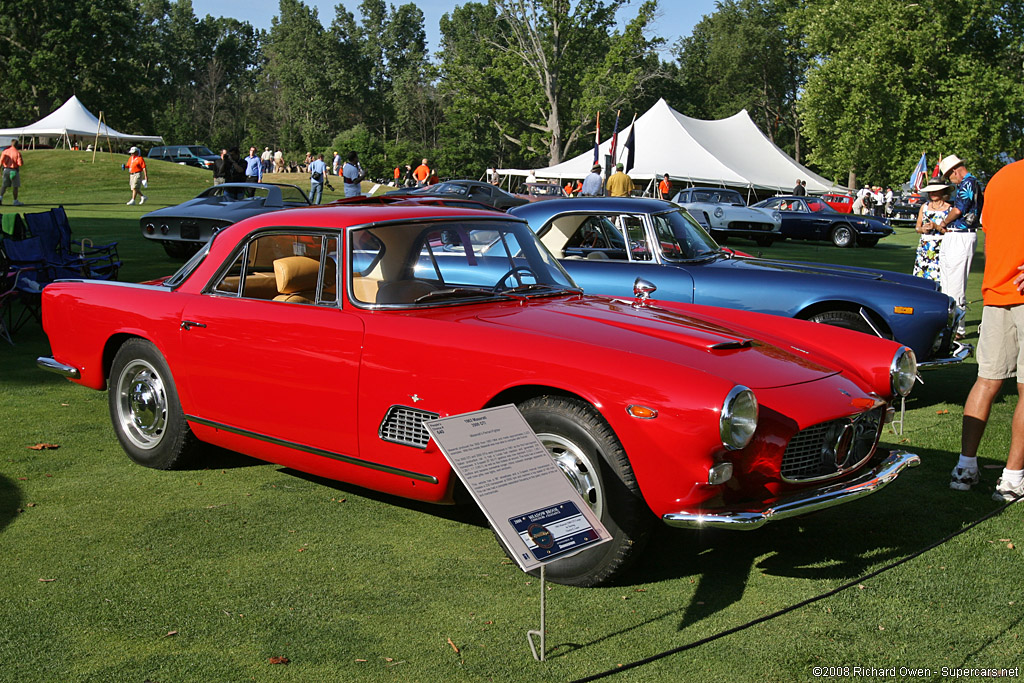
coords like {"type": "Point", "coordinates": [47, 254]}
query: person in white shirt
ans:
{"type": "Point", "coordinates": [352, 174]}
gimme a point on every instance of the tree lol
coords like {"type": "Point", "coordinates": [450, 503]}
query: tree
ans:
{"type": "Point", "coordinates": [891, 80]}
{"type": "Point", "coordinates": [745, 56]}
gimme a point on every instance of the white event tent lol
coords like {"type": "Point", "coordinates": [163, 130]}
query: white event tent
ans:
{"type": "Point", "coordinates": [727, 152]}
{"type": "Point", "coordinates": [72, 119]}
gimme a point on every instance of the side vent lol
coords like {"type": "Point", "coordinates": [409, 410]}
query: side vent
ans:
{"type": "Point", "coordinates": [404, 425]}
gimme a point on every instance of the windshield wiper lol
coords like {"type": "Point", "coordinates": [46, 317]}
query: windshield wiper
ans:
{"type": "Point", "coordinates": [539, 286]}
{"type": "Point", "coordinates": [456, 292]}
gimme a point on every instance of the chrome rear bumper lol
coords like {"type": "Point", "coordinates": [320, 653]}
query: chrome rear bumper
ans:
{"type": "Point", "coordinates": [800, 504]}
{"type": "Point", "coordinates": [47, 363]}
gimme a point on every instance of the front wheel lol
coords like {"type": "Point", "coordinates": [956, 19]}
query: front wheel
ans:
{"type": "Point", "coordinates": [848, 320]}
{"type": "Point", "coordinates": [144, 408]}
{"type": "Point", "coordinates": [842, 236]}
{"type": "Point", "coordinates": [587, 451]}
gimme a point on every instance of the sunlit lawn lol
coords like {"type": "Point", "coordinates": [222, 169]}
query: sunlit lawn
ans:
{"type": "Point", "coordinates": [114, 572]}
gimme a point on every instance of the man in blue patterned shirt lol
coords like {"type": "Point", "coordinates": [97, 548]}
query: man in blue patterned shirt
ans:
{"type": "Point", "coordinates": [959, 229]}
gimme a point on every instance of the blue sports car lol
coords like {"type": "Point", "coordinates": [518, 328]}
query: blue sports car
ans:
{"type": "Point", "coordinates": [606, 243]}
{"type": "Point", "coordinates": [810, 218]}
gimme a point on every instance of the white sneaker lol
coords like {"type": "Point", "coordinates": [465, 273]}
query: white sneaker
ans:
{"type": "Point", "coordinates": [17, 203]}
{"type": "Point", "coordinates": [142, 199]}
{"type": "Point", "coordinates": [963, 478]}
{"type": "Point", "coordinates": [129, 202]}
{"type": "Point", "coordinates": [1006, 493]}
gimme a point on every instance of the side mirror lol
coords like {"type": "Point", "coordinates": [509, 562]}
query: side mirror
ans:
{"type": "Point", "coordinates": [642, 290]}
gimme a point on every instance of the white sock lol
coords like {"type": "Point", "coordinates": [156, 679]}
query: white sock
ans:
{"type": "Point", "coordinates": [968, 463]}
{"type": "Point", "coordinates": [1013, 478]}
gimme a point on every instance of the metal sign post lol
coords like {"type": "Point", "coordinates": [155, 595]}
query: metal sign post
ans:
{"type": "Point", "coordinates": [543, 617]}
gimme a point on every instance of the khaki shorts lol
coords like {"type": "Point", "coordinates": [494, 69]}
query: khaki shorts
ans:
{"type": "Point", "coordinates": [1001, 342]}
{"type": "Point", "coordinates": [135, 181]}
{"type": "Point", "coordinates": [9, 181]}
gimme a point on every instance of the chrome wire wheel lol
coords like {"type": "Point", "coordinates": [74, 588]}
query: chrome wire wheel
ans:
{"type": "Point", "coordinates": [578, 468]}
{"type": "Point", "coordinates": [142, 404]}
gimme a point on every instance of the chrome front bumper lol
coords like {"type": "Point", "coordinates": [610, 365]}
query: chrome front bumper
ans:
{"type": "Point", "coordinates": [800, 504]}
{"type": "Point", "coordinates": [959, 354]}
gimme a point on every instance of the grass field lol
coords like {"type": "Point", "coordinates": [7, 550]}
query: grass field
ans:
{"type": "Point", "coordinates": [113, 572]}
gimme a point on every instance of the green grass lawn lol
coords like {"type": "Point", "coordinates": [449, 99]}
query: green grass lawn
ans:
{"type": "Point", "coordinates": [113, 572]}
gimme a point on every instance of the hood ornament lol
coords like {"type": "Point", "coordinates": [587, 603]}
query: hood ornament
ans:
{"type": "Point", "coordinates": [415, 398]}
{"type": "Point", "coordinates": [642, 290]}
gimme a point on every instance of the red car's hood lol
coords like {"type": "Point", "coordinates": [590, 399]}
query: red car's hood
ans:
{"type": "Point", "coordinates": [673, 337]}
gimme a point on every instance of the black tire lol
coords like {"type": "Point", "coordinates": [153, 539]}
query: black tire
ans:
{"type": "Point", "coordinates": [180, 250]}
{"type": "Point", "coordinates": [587, 450]}
{"type": "Point", "coordinates": [846, 319]}
{"type": "Point", "coordinates": [145, 410]}
{"type": "Point", "coordinates": [843, 236]}
{"type": "Point", "coordinates": [764, 241]}
{"type": "Point", "coordinates": [867, 241]}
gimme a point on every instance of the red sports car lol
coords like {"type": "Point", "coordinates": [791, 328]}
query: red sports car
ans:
{"type": "Point", "coordinates": [322, 338]}
{"type": "Point", "coordinates": [843, 203]}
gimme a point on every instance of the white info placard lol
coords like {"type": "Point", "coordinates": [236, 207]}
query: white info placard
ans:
{"type": "Point", "coordinates": [531, 505]}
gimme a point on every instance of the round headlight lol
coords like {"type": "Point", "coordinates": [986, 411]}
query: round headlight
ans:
{"type": "Point", "coordinates": [739, 418]}
{"type": "Point", "coordinates": [903, 371]}
{"type": "Point", "coordinates": [719, 212]}
{"type": "Point", "coordinates": [776, 215]}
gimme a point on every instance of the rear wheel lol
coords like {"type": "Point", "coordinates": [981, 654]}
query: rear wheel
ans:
{"type": "Point", "coordinates": [144, 408]}
{"type": "Point", "coordinates": [842, 235]}
{"type": "Point", "coordinates": [587, 451]}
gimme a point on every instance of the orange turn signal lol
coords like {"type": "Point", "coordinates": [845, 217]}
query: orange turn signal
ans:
{"type": "Point", "coordinates": [642, 412]}
{"type": "Point", "coordinates": [903, 310]}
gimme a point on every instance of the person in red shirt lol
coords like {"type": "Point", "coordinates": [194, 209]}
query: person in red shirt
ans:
{"type": "Point", "coordinates": [11, 162]}
{"type": "Point", "coordinates": [421, 174]}
{"type": "Point", "coordinates": [137, 176]}
{"type": "Point", "coordinates": [665, 187]}
{"type": "Point", "coordinates": [1001, 334]}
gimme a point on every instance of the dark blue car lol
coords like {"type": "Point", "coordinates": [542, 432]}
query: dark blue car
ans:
{"type": "Point", "coordinates": [607, 243]}
{"type": "Point", "coordinates": [809, 218]}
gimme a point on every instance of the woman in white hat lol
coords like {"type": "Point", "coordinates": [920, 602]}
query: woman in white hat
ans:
{"type": "Point", "coordinates": [929, 218]}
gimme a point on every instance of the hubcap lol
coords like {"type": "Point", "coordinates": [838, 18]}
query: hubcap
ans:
{"type": "Point", "coordinates": [141, 404]}
{"type": "Point", "coordinates": [578, 468]}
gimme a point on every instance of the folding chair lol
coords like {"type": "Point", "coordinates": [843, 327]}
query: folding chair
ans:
{"type": "Point", "coordinates": [31, 272]}
{"type": "Point", "coordinates": [103, 261]}
{"type": "Point", "coordinates": [63, 260]}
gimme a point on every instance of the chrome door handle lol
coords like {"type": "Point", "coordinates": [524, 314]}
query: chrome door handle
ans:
{"type": "Point", "coordinates": [189, 324]}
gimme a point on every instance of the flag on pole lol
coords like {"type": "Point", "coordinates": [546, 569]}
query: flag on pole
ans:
{"type": "Point", "coordinates": [919, 177]}
{"type": "Point", "coordinates": [615, 137]}
{"type": "Point", "coordinates": [597, 140]}
{"type": "Point", "coordinates": [630, 147]}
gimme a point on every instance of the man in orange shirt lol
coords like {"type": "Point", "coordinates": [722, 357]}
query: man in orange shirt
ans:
{"type": "Point", "coordinates": [137, 176]}
{"type": "Point", "coordinates": [1001, 335]}
{"type": "Point", "coordinates": [421, 174]}
{"type": "Point", "coordinates": [665, 187]}
{"type": "Point", "coordinates": [10, 161]}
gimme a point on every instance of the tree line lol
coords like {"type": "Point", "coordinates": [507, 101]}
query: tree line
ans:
{"type": "Point", "coordinates": [853, 88]}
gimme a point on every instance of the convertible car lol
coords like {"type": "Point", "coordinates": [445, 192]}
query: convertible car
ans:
{"type": "Point", "coordinates": [807, 218]}
{"type": "Point", "coordinates": [725, 214]}
{"type": "Point", "coordinates": [184, 228]}
{"type": "Point", "coordinates": [668, 248]}
{"type": "Point", "coordinates": [305, 338]}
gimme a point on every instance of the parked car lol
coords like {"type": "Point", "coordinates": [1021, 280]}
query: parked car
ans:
{"type": "Point", "coordinates": [807, 218]}
{"type": "Point", "coordinates": [843, 203]}
{"type": "Point", "coordinates": [905, 208]}
{"type": "Point", "coordinates": [184, 228]}
{"type": "Point", "coordinates": [466, 189]}
{"type": "Point", "coordinates": [725, 214]}
{"type": "Point", "coordinates": [666, 247]}
{"type": "Point", "coordinates": [303, 338]}
{"type": "Point", "coordinates": [188, 155]}
{"type": "Point", "coordinates": [538, 191]}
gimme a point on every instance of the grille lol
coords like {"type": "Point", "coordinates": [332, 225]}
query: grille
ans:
{"type": "Point", "coordinates": [404, 425]}
{"type": "Point", "coordinates": [831, 448]}
{"type": "Point", "coordinates": [746, 225]}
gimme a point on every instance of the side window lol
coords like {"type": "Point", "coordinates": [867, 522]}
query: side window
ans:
{"type": "Point", "coordinates": [639, 248]}
{"type": "Point", "coordinates": [288, 267]}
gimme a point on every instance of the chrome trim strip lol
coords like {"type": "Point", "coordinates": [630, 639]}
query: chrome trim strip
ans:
{"type": "Point", "coordinates": [429, 478]}
{"type": "Point", "coordinates": [800, 504]}
{"type": "Point", "coordinates": [50, 365]}
{"type": "Point", "coordinates": [960, 353]}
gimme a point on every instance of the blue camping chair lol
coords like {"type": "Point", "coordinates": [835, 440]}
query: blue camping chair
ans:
{"type": "Point", "coordinates": [58, 250]}
{"type": "Point", "coordinates": [26, 272]}
{"type": "Point", "coordinates": [102, 259]}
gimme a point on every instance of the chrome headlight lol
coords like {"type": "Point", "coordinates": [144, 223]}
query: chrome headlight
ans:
{"type": "Point", "coordinates": [903, 371]}
{"type": "Point", "coordinates": [719, 212]}
{"type": "Point", "coordinates": [776, 215]}
{"type": "Point", "coordinates": [739, 418]}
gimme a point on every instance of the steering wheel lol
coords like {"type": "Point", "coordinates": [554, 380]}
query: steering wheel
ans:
{"type": "Point", "coordinates": [516, 272]}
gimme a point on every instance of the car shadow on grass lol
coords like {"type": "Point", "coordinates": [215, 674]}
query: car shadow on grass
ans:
{"type": "Point", "coordinates": [10, 501]}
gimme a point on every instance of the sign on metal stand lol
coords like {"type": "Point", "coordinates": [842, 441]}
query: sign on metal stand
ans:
{"type": "Point", "coordinates": [530, 504]}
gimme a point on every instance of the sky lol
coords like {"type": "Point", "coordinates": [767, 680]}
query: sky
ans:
{"type": "Point", "coordinates": [677, 17]}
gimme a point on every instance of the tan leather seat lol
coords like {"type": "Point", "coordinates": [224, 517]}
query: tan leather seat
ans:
{"type": "Point", "coordinates": [296, 279]}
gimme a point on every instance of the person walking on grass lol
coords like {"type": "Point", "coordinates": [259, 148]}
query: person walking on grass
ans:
{"type": "Point", "coordinates": [11, 162]}
{"type": "Point", "coordinates": [1000, 336]}
{"type": "Point", "coordinates": [317, 177]}
{"type": "Point", "coordinates": [138, 178]}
